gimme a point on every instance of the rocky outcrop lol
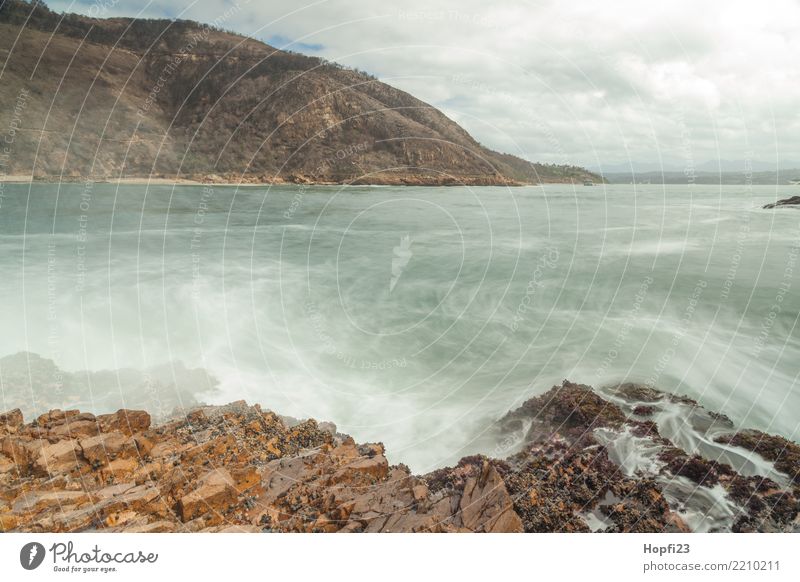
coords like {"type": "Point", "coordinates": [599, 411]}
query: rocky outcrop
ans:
{"type": "Point", "coordinates": [591, 458]}
{"type": "Point", "coordinates": [217, 468]}
{"type": "Point", "coordinates": [240, 468]}
{"type": "Point", "coordinates": [792, 201]}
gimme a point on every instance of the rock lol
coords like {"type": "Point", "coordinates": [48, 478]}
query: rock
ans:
{"type": "Point", "coordinates": [375, 468]}
{"type": "Point", "coordinates": [238, 468]}
{"type": "Point", "coordinates": [575, 408]}
{"type": "Point", "coordinates": [56, 417]}
{"type": "Point", "coordinates": [78, 427]}
{"type": "Point", "coordinates": [486, 505]}
{"type": "Point", "coordinates": [58, 458]}
{"type": "Point", "coordinates": [8, 522]}
{"type": "Point", "coordinates": [644, 410]}
{"type": "Point", "coordinates": [784, 453]}
{"type": "Point", "coordinates": [22, 451]}
{"type": "Point", "coordinates": [102, 449]}
{"type": "Point", "coordinates": [792, 201]}
{"type": "Point", "coordinates": [214, 495]}
{"type": "Point", "coordinates": [35, 501]}
{"type": "Point", "coordinates": [328, 427]}
{"type": "Point", "coordinates": [119, 469]}
{"type": "Point", "coordinates": [127, 422]}
{"type": "Point", "coordinates": [10, 421]}
{"type": "Point", "coordinates": [154, 527]}
{"type": "Point", "coordinates": [7, 465]}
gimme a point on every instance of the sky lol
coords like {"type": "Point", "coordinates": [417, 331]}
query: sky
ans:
{"type": "Point", "coordinates": [687, 85]}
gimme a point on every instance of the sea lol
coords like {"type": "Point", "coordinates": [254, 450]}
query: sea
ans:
{"type": "Point", "coordinates": [412, 316]}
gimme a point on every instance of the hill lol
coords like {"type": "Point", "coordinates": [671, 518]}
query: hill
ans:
{"type": "Point", "coordinates": [125, 98]}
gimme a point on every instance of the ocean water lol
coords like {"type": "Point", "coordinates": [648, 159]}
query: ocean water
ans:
{"type": "Point", "coordinates": [411, 316]}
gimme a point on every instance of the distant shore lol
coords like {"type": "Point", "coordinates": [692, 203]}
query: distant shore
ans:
{"type": "Point", "coordinates": [229, 180]}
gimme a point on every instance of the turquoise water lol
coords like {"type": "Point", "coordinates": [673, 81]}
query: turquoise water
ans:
{"type": "Point", "coordinates": [413, 316]}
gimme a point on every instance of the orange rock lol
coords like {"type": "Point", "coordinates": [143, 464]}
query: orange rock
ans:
{"type": "Point", "coordinates": [154, 527]}
{"type": "Point", "coordinates": [10, 421]}
{"type": "Point", "coordinates": [126, 421]}
{"type": "Point", "coordinates": [56, 417]}
{"type": "Point", "coordinates": [8, 522]}
{"type": "Point", "coordinates": [78, 427]}
{"type": "Point", "coordinates": [196, 417]}
{"type": "Point", "coordinates": [245, 478]}
{"type": "Point", "coordinates": [22, 451]}
{"type": "Point", "coordinates": [35, 501]}
{"type": "Point", "coordinates": [216, 491]}
{"type": "Point", "coordinates": [486, 505]}
{"type": "Point", "coordinates": [375, 468]}
{"type": "Point", "coordinates": [143, 444]}
{"type": "Point", "coordinates": [119, 469]}
{"type": "Point", "coordinates": [101, 449]}
{"type": "Point", "coordinates": [61, 457]}
{"type": "Point", "coordinates": [120, 518]}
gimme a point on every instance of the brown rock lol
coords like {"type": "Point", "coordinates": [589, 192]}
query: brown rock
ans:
{"type": "Point", "coordinates": [56, 417]}
{"type": "Point", "coordinates": [143, 444]}
{"type": "Point", "coordinates": [486, 505]}
{"type": "Point", "coordinates": [128, 422]}
{"type": "Point", "coordinates": [8, 522]}
{"type": "Point", "coordinates": [119, 469]}
{"type": "Point", "coordinates": [216, 493]}
{"type": "Point", "coordinates": [22, 451]}
{"type": "Point", "coordinates": [375, 468]}
{"type": "Point", "coordinates": [101, 449]}
{"type": "Point", "coordinates": [75, 426]}
{"type": "Point", "coordinates": [35, 501]}
{"type": "Point", "coordinates": [61, 457]}
{"type": "Point", "coordinates": [245, 478]}
{"type": "Point", "coordinates": [10, 421]}
{"type": "Point", "coordinates": [154, 527]}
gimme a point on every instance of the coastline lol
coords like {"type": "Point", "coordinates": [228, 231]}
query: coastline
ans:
{"type": "Point", "coordinates": [579, 460]}
{"type": "Point", "coordinates": [229, 180]}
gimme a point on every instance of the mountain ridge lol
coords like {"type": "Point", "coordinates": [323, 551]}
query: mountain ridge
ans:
{"type": "Point", "coordinates": [132, 98]}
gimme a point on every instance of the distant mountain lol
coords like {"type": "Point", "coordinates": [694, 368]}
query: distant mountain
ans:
{"type": "Point", "coordinates": [123, 97]}
{"type": "Point", "coordinates": [739, 178]}
{"type": "Point", "coordinates": [706, 167]}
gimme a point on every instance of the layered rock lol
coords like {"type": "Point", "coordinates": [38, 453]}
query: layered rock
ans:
{"type": "Point", "coordinates": [240, 468]}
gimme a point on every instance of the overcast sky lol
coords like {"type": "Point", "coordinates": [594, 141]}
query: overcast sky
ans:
{"type": "Point", "coordinates": [601, 84]}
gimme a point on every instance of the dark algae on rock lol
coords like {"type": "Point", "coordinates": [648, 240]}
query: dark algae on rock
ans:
{"type": "Point", "coordinates": [586, 462]}
{"type": "Point", "coordinates": [791, 201]}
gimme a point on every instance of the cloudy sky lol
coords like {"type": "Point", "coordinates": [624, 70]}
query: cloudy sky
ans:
{"type": "Point", "coordinates": [601, 84]}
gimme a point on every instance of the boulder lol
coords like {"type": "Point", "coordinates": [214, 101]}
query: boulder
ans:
{"type": "Point", "coordinates": [486, 505]}
{"type": "Point", "coordinates": [128, 422]}
{"type": "Point", "coordinates": [102, 449]}
{"type": "Point", "coordinates": [215, 494]}
{"type": "Point", "coordinates": [81, 425]}
{"type": "Point", "coordinates": [58, 458]}
{"type": "Point", "coordinates": [10, 421]}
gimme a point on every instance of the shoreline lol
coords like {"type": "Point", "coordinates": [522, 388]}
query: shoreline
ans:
{"type": "Point", "coordinates": [212, 179]}
{"type": "Point", "coordinates": [241, 468]}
